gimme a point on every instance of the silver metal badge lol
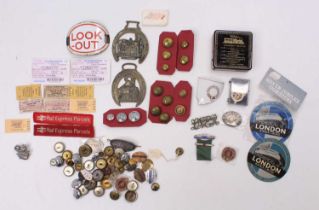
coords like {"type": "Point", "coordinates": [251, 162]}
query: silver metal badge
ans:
{"type": "Point", "coordinates": [232, 119]}
{"type": "Point", "coordinates": [130, 48]}
{"type": "Point", "coordinates": [128, 86]}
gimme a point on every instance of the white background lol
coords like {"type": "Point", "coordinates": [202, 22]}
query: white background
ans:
{"type": "Point", "coordinates": [286, 38]}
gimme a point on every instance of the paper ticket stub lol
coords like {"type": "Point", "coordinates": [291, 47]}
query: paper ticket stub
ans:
{"type": "Point", "coordinates": [28, 92]}
{"type": "Point", "coordinates": [47, 71]}
{"type": "Point", "coordinates": [56, 105]}
{"type": "Point", "coordinates": [82, 105]}
{"type": "Point", "coordinates": [154, 17]}
{"type": "Point", "coordinates": [63, 130]}
{"type": "Point", "coordinates": [17, 125]}
{"type": "Point", "coordinates": [63, 118]}
{"type": "Point", "coordinates": [81, 91]}
{"type": "Point", "coordinates": [31, 105]}
{"type": "Point", "coordinates": [90, 71]}
{"type": "Point", "coordinates": [56, 91]}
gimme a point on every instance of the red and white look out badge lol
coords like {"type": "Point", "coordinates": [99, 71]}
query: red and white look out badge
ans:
{"type": "Point", "coordinates": [87, 38]}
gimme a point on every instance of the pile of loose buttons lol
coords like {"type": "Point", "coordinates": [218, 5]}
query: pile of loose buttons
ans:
{"type": "Point", "coordinates": [102, 169]}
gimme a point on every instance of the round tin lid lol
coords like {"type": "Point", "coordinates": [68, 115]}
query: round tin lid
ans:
{"type": "Point", "coordinates": [87, 38]}
{"type": "Point", "coordinates": [271, 120]}
{"type": "Point", "coordinates": [269, 160]}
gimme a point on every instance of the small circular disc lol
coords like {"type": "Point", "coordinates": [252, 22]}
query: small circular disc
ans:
{"type": "Point", "coordinates": [132, 185]}
{"type": "Point", "coordinates": [121, 117]}
{"type": "Point", "coordinates": [134, 116]}
{"type": "Point", "coordinates": [110, 117]}
{"type": "Point", "coordinates": [212, 92]}
{"type": "Point", "coordinates": [98, 191]}
{"type": "Point", "coordinates": [67, 154]}
{"type": "Point", "coordinates": [59, 147]}
{"type": "Point", "coordinates": [131, 196]}
{"type": "Point", "coordinates": [85, 150]}
{"type": "Point", "coordinates": [232, 119]}
{"type": "Point", "coordinates": [155, 186]}
{"type": "Point", "coordinates": [106, 183]}
{"type": "Point", "coordinates": [179, 151]}
{"type": "Point", "coordinates": [121, 184]}
{"type": "Point", "coordinates": [114, 195]}
{"type": "Point", "coordinates": [53, 162]}
{"type": "Point", "coordinates": [89, 165]}
{"type": "Point", "coordinates": [101, 163]}
{"type": "Point", "coordinates": [228, 154]}
{"type": "Point", "coordinates": [68, 171]}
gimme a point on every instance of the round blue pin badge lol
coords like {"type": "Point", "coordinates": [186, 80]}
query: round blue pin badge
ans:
{"type": "Point", "coordinates": [268, 160]}
{"type": "Point", "coordinates": [271, 120]}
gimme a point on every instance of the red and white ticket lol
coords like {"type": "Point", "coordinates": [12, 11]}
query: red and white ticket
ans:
{"type": "Point", "coordinates": [63, 118]}
{"type": "Point", "coordinates": [50, 71]}
{"type": "Point", "coordinates": [90, 71]}
{"type": "Point", "coordinates": [63, 130]}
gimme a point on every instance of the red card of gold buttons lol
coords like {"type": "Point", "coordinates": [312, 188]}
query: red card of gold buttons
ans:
{"type": "Point", "coordinates": [167, 53]}
{"type": "Point", "coordinates": [124, 117]}
{"type": "Point", "coordinates": [185, 50]}
{"type": "Point", "coordinates": [167, 101]}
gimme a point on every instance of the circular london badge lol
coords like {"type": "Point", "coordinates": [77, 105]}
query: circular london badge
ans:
{"type": "Point", "coordinates": [269, 160]}
{"type": "Point", "coordinates": [271, 120]}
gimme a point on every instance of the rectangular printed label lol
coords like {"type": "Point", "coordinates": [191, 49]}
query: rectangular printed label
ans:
{"type": "Point", "coordinates": [28, 92]}
{"type": "Point", "coordinates": [279, 86]}
{"type": "Point", "coordinates": [81, 91]}
{"type": "Point", "coordinates": [63, 130]}
{"type": "Point", "coordinates": [90, 71]}
{"type": "Point", "coordinates": [82, 105]}
{"type": "Point", "coordinates": [63, 118]}
{"type": "Point", "coordinates": [155, 17]}
{"type": "Point", "coordinates": [31, 105]}
{"type": "Point", "coordinates": [50, 71]}
{"type": "Point", "coordinates": [17, 125]}
{"type": "Point", "coordinates": [56, 105]}
{"type": "Point", "coordinates": [56, 91]}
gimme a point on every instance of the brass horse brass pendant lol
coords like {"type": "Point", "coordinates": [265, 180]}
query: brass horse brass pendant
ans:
{"type": "Point", "coordinates": [129, 48]}
{"type": "Point", "coordinates": [124, 87]}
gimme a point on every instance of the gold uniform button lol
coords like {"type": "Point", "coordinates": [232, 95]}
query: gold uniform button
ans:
{"type": "Point", "coordinates": [168, 42]}
{"type": "Point", "coordinates": [166, 55]}
{"type": "Point", "coordinates": [158, 90]}
{"type": "Point", "coordinates": [167, 100]}
{"type": "Point", "coordinates": [155, 186]}
{"type": "Point", "coordinates": [184, 60]}
{"type": "Point", "coordinates": [85, 150]}
{"type": "Point", "coordinates": [78, 166]}
{"type": "Point", "coordinates": [182, 93]}
{"type": "Point", "coordinates": [179, 151]}
{"type": "Point", "coordinates": [114, 195]}
{"type": "Point", "coordinates": [164, 117]}
{"type": "Point", "coordinates": [184, 44]}
{"type": "Point", "coordinates": [109, 151]}
{"type": "Point", "coordinates": [101, 163]}
{"type": "Point", "coordinates": [180, 110]}
{"type": "Point", "coordinates": [156, 110]}
{"type": "Point", "coordinates": [66, 155]}
{"type": "Point", "coordinates": [106, 183]}
{"type": "Point", "coordinates": [165, 67]}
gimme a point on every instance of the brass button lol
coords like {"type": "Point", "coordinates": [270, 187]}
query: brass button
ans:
{"type": "Point", "coordinates": [179, 151]}
{"type": "Point", "coordinates": [114, 195]}
{"type": "Point", "coordinates": [101, 163]}
{"type": "Point", "coordinates": [139, 175]}
{"type": "Point", "coordinates": [131, 196]}
{"type": "Point", "coordinates": [111, 160]}
{"type": "Point", "coordinates": [166, 55]}
{"type": "Point", "coordinates": [156, 110]}
{"type": "Point", "coordinates": [184, 44]}
{"type": "Point", "coordinates": [78, 166]}
{"type": "Point", "coordinates": [168, 42]}
{"type": "Point", "coordinates": [155, 186]}
{"type": "Point", "coordinates": [106, 183]}
{"type": "Point", "coordinates": [85, 150]}
{"type": "Point", "coordinates": [167, 100]}
{"type": "Point", "coordinates": [132, 162]}
{"type": "Point", "coordinates": [184, 60]}
{"type": "Point", "coordinates": [165, 67]}
{"type": "Point", "coordinates": [180, 110]}
{"type": "Point", "coordinates": [182, 93]}
{"type": "Point", "coordinates": [158, 90]}
{"type": "Point", "coordinates": [147, 164]}
{"type": "Point", "coordinates": [67, 154]}
{"type": "Point", "coordinates": [108, 151]}
{"type": "Point", "coordinates": [164, 117]}
{"type": "Point", "coordinates": [69, 162]}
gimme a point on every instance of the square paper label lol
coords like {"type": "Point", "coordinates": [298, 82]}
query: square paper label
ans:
{"type": "Point", "coordinates": [46, 71]}
{"type": "Point", "coordinates": [279, 86]}
{"type": "Point", "coordinates": [155, 17]}
{"type": "Point", "coordinates": [90, 71]}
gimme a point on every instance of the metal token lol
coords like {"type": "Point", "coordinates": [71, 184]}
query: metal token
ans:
{"type": "Point", "coordinates": [98, 191]}
{"type": "Point", "coordinates": [130, 49]}
{"type": "Point", "coordinates": [180, 110]}
{"type": "Point", "coordinates": [59, 147]}
{"type": "Point", "coordinates": [121, 117]}
{"type": "Point", "coordinates": [271, 120]}
{"type": "Point", "coordinates": [114, 195]}
{"type": "Point", "coordinates": [132, 185]}
{"type": "Point", "coordinates": [228, 154]}
{"type": "Point", "coordinates": [89, 165]}
{"type": "Point", "coordinates": [132, 90]}
{"type": "Point", "coordinates": [151, 175]}
{"type": "Point", "coordinates": [164, 117]}
{"type": "Point", "coordinates": [134, 116]}
{"type": "Point", "coordinates": [130, 196]}
{"type": "Point", "coordinates": [110, 117]}
{"type": "Point", "coordinates": [155, 186]}
{"type": "Point", "coordinates": [268, 160]}
{"type": "Point", "coordinates": [232, 119]}
{"type": "Point", "coordinates": [68, 171]}
{"type": "Point", "coordinates": [213, 92]}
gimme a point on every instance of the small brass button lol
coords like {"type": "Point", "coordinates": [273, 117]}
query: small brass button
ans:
{"type": "Point", "coordinates": [85, 150]}
{"type": "Point", "coordinates": [184, 60]}
{"type": "Point", "coordinates": [158, 90]}
{"type": "Point", "coordinates": [111, 161]}
{"type": "Point", "coordinates": [165, 67]}
{"type": "Point", "coordinates": [180, 110]}
{"type": "Point", "coordinates": [182, 93]}
{"type": "Point", "coordinates": [59, 147]}
{"type": "Point", "coordinates": [167, 100]}
{"type": "Point", "coordinates": [179, 151]}
{"type": "Point", "coordinates": [132, 162]}
{"type": "Point", "coordinates": [168, 42]}
{"type": "Point", "coordinates": [106, 183]}
{"type": "Point", "coordinates": [164, 117]}
{"type": "Point", "coordinates": [78, 166]}
{"type": "Point", "coordinates": [184, 44]}
{"type": "Point", "coordinates": [108, 151]}
{"type": "Point", "coordinates": [131, 196]}
{"type": "Point", "coordinates": [166, 55]}
{"type": "Point", "coordinates": [101, 163]}
{"type": "Point", "coordinates": [155, 186]}
{"type": "Point", "coordinates": [114, 195]}
{"type": "Point", "coordinates": [69, 162]}
{"type": "Point", "coordinates": [156, 110]}
{"type": "Point", "coordinates": [67, 154]}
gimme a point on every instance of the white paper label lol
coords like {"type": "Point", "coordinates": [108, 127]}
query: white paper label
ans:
{"type": "Point", "coordinates": [47, 71]}
{"type": "Point", "coordinates": [90, 71]}
{"type": "Point", "coordinates": [155, 17]}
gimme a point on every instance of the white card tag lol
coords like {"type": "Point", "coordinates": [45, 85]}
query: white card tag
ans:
{"type": "Point", "coordinates": [50, 71]}
{"type": "Point", "coordinates": [155, 17]}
